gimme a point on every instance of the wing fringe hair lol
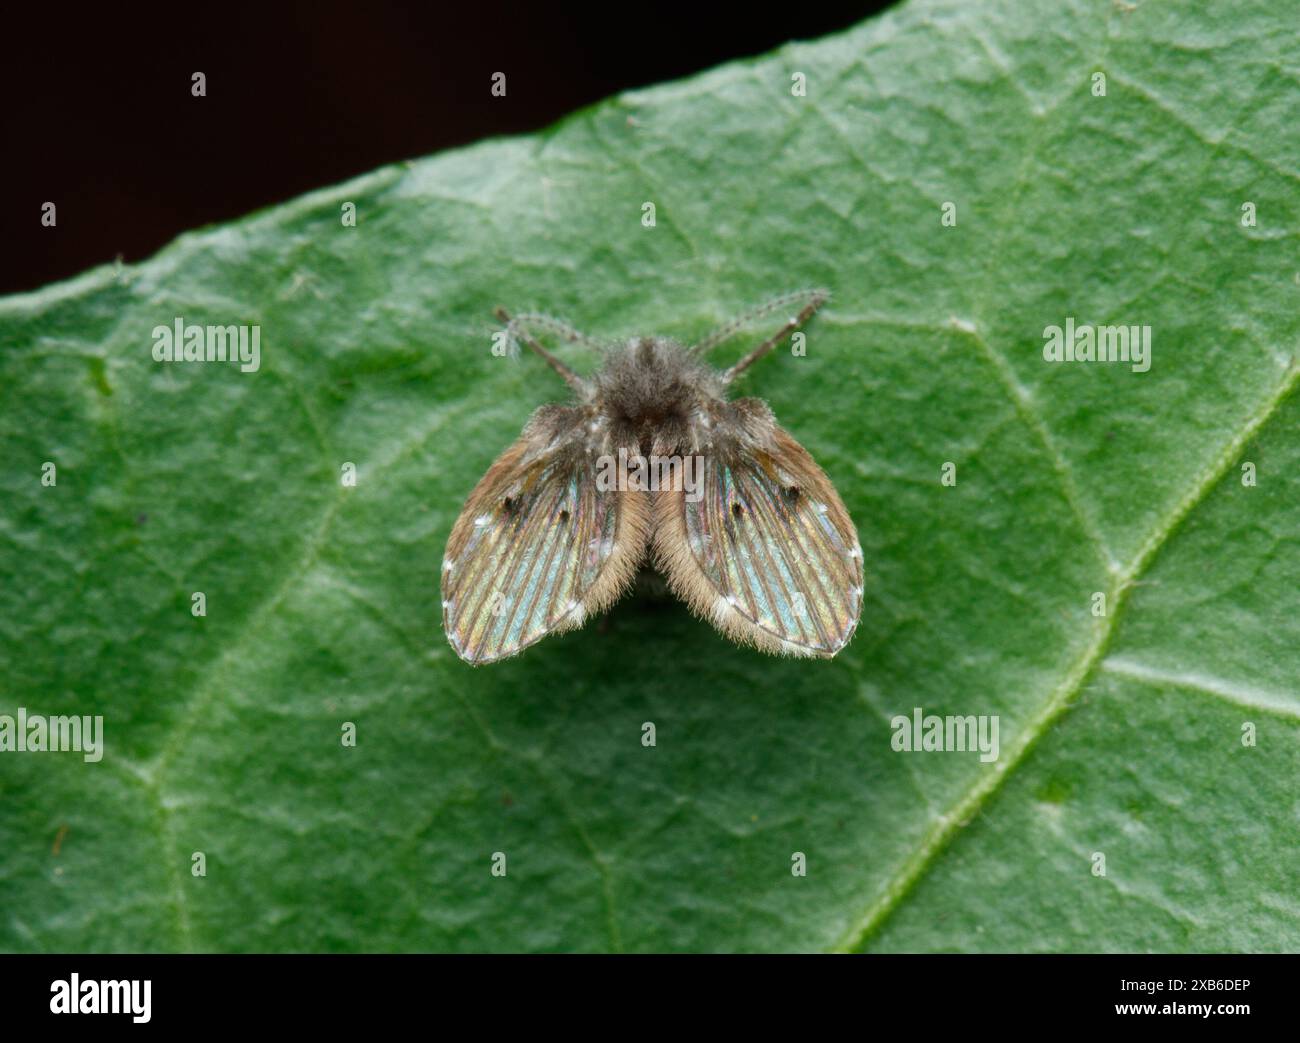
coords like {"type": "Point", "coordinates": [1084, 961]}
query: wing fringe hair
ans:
{"type": "Point", "coordinates": [768, 555]}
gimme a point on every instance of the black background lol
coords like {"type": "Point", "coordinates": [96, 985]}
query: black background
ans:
{"type": "Point", "coordinates": [98, 115]}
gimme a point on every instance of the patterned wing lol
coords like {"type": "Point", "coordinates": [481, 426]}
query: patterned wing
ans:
{"type": "Point", "coordinates": [537, 548]}
{"type": "Point", "coordinates": [768, 552]}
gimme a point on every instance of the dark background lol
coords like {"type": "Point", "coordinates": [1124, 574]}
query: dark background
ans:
{"type": "Point", "coordinates": [98, 116]}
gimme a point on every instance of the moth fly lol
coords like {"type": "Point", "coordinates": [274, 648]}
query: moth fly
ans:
{"type": "Point", "coordinates": [653, 465]}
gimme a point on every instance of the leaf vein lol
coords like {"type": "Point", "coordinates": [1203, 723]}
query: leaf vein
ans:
{"type": "Point", "coordinates": [986, 785]}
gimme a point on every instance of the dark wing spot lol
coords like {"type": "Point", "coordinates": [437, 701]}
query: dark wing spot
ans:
{"type": "Point", "coordinates": [510, 505]}
{"type": "Point", "coordinates": [791, 493]}
{"type": "Point", "coordinates": [564, 516]}
{"type": "Point", "coordinates": [737, 510]}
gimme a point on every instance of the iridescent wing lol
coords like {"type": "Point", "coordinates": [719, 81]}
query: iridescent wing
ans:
{"type": "Point", "coordinates": [538, 547]}
{"type": "Point", "coordinates": [767, 553]}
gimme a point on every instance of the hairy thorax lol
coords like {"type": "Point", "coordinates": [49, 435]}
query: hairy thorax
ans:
{"type": "Point", "coordinates": [653, 397]}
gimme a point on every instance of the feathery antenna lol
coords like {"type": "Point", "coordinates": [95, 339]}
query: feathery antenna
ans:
{"type": "Point", "coordinates": [516, 329]}
{"type": "Point", "coordinates": [812, 300]}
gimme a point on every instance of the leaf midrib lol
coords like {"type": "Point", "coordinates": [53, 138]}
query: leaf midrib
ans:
{"type": "Point", "coordinates": [1122, 578]}
{"type": "Point", "coordinates": [937, 838]}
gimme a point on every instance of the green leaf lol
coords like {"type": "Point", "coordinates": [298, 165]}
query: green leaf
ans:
{"type": "Point", "coordinates": [1120, 735]}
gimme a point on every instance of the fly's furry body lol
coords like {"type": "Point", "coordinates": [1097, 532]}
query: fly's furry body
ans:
{"type": "Point", "coordinates": [766, 551]}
